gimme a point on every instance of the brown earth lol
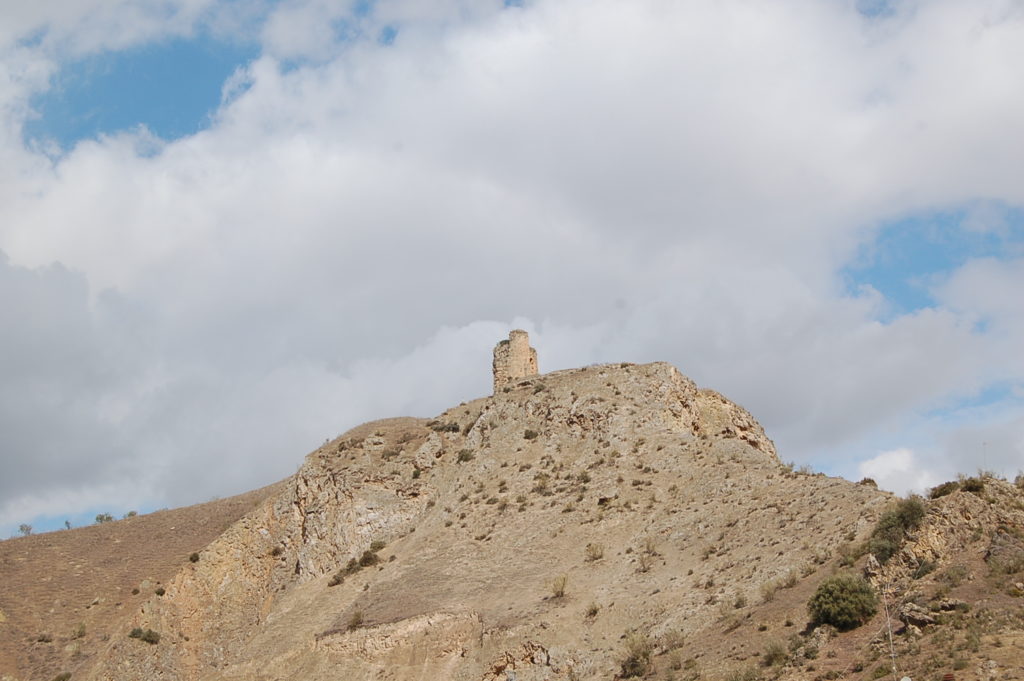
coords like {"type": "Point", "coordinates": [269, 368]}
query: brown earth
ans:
{"type": "Point", "coordinates": [63, 594]}
{"type": "Point", "coordinates": [540, 534]}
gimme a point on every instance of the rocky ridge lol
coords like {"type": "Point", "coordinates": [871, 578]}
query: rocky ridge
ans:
{"type": "Point", "coordinates": [570, 522]}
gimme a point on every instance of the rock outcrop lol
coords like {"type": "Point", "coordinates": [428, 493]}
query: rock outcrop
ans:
{"type": "Point", "coordinates": [571, 526]}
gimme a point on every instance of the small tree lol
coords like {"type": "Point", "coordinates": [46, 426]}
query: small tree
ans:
{"type": "Point", "coordinates": [103, 518]}
{"type": "Point", "coordinates": [25, 529]}
{"type": "Point", "coordinates": [845, 601]}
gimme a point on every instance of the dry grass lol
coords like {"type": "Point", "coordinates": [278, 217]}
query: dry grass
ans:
{"type": "Point", "coordinates": [76, 585]}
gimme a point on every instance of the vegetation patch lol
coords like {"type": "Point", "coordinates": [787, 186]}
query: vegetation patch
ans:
{"type": "Point", "coordinates": [844, 601]}
{"type": "Point", "coordinates": [892, 527]}
{"type": "Point", "coordinates": [368, 559]}
{"type": "Point", "coordinates": [943, 489]}
{"type": "Point", "coordinates": [637, 661]}
{"type": "Point", "coordinates": [973, 485]}
{"type": "Point", "coordinates": [148, 635]}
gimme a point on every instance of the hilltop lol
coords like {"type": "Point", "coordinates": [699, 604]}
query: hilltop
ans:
{"type": "Point", "coordinates": [551, 531]}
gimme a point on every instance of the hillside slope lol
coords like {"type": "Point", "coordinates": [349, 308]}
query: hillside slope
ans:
{"type": "Point", "coordinates": [678, 490]}
{"type": "Point", "coordinates": [584, 524]}
{"type": "Point", "coordinates": [63, 594]}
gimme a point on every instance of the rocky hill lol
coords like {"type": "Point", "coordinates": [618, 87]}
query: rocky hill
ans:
{"type": "Point", "coordinates": [608, 522]}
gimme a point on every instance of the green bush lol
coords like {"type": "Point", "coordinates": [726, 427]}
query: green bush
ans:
{"type": "Point", "coordinates": [887, 537]}
{"type": "Point", "coordinates": [368, 558]}
{"type": "Point", "coordinates": [973, 485]}
{"type": "Point", "coordinates": [943, 489]}
{"type": "Point", "coordinates": [193, 557]}
{"type": "Point", "coordinates": [845, 601]}
{"type": "Point", "coordinates": [530, 434]}
{"type": "Point", "coordinates": [147, 635]}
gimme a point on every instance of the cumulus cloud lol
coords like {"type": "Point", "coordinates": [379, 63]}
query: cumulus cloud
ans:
{"type": "Point", "coordinates": [630, 181]}
{"type": "Point", "coordinates": [899, 471]}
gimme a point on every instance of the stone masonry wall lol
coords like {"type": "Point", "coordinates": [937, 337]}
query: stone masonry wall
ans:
{"type": "Point", "coordinates": [513, 359]}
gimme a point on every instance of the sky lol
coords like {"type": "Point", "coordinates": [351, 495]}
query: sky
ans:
{"type": "Point", "coordinates": [232, 230]}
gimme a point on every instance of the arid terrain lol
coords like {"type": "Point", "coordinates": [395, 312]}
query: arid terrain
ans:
{"type": "Point", "coordinates": [610, 522]}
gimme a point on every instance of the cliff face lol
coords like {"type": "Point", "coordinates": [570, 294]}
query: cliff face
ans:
{"type": "Point", "coordinates": [528, 535]}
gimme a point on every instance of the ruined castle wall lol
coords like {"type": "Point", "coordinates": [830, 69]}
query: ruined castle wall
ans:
{"type": "Point", "coordinates": [513, 359]}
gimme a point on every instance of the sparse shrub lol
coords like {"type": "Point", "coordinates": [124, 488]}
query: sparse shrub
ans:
{"type": "Point", "coordinates": [650, 548]}
{"type": "Point", "coordinates": [147, 635]}
{"type": "Point", "coordinates": [558, 585]}
{"type": "Point", "coordinates": [63, 676]}
{"type": "Point", "coordinates": [530, 434]}
{"type": "Point", "coordinates": [881, 671]}
{"type": "Point", "coordinates": [953, 576]}
{"type": "Point", "coordinates": [44, 638]}
{"type": "Point", "coordinates": [592, 611]}
{"type": "Point", "coordinates": [923, 568]}
{"type": "Point", "coordinates": [160, 591]}
{"type": "Point", "coordinates": [104, 518]}
{"type": "Point", "coordinates": [368, 558]}
{"type": "Point", "coordinates": [464, 455]}
{"type": "Point", "coordinates": [594, 552]}
{"type": "Point", "coordinates": [740, 601]}
{"type": "Point", "coordinates": [377, 545]}
{"type": "Point", "coordinates": [775, 654]}
{"type": "Point", "coordinates": [744, 674]}
{"type": "Point", "coordinates": [193, 557]}
{"type": "Point", "coordinates": [355, 620]}
{"type": "Point", "coordinates": [637, 661]}
{"type": "Point", "coordinates": [943, 489]}
{"type": "Point", "coordinates": [768, 590]}
{"type": "Point", "coordinates": [25, 529]}
{"type": "Point", "coordinates": [868, 482]}
{"type": "Point", "coordinates": [277, 551]}
{"type": "Point", "coordinates": [845, 601]}
{"type": "Point", "coordinates": [79, 631]}
{"type": "Point", "coordinates": [415, 473]}
{"type": "Point", "coordinates": [973, 485]}
{"type": "Point", "coordinates": [892, 527]}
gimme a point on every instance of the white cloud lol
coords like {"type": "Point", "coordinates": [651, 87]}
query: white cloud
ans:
{"type": "Point", "coordinates": [899, 471]}
{"type": "Point", "coordinates": [631, 181]}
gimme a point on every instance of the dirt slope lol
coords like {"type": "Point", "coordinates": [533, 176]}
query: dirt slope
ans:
{"type": "Point", "coordinates": [550, 530]}
{"type": "Point", "coordinates": [74, 587]}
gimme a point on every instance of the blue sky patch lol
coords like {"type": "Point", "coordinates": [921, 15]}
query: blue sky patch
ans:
{"type": "Point", "coordinates": [910, 255]}
{"type": "Point", "coordinates": [170, 87]}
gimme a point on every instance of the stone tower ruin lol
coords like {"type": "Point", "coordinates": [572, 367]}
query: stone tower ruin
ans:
{"type": "Point", "coordinates": [513, 359]}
